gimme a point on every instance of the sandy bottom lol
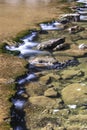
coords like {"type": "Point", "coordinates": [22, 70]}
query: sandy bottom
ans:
{"type": "Point", "coordinates": [15, 17]}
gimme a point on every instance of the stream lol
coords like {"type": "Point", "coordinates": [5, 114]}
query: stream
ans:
{"type": "Point", "coordinates": [27, 50]}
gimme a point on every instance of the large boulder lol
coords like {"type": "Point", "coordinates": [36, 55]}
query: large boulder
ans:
{"type": "Point", "coordinates": [75, 94]}
{"type": "Point", "coordinates": [51, 44]}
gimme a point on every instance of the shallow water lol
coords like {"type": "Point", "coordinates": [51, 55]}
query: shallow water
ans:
{"type": "Point", "coordinates": [18, 15]}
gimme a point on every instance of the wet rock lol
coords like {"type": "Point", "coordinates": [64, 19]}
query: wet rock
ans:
{"type": "Point", "coordinates": [75, 94]}
{"type": "Point", "coordinates": [51, 92]}
{"type": "Point", "coordinates": [51, 44]}
{"type": "Point", "coordinates": [75, 29]}
{"type": "Point", "coordinates": [72, 17]}
{"type": "Point", "coordinates": [42, 62]}
{"type": "Point", "coordinates": [49, 78]}
{"type": "Point", "coordinates": [64, 21]}
{"type": "Point", "coordinates": [42, 101]}
{"type": "Point", "coordinates": [25, 95]}
{"type": "Point", "coordinates": [60, 47]}
{"type": "Point", "coordinates": [82, 46]}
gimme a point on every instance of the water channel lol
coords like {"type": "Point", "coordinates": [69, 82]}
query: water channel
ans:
{"type": "Point", "coordinates": [26, 50]}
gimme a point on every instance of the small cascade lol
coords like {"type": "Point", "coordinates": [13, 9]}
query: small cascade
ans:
{"type": "Point", "coordinates": [27, 49]}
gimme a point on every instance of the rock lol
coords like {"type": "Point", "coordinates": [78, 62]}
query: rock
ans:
{"type": "Point", "coordinates": [69, 74]}
{"type": "Point", "coordinates": [64, 21]}
{"type": "Point", "coordinates": [25, 95]}
{"type": "Point", "coordinates": [49, 126]}
{"type": "Point", "coordinates": [72, 17]}
{"type": "Point", "coordinates": [51, 92]}
{"type": "Point", "coordinates": [42, 62]}
{"type": "Point", "coordinates": [82, 46]}
{"type": "Point", "coordinates": [61, 46]}
{"type": "Point", "coordinates": [74, 94]}
{"type": "Point", "coordinates": [49, 78]}
{"type": "Point", "coordinates": [51, 44]}
{"type": "Point", "coordinates": [75, 29]}
{"type": "Point", "coordinates": [42, 101]}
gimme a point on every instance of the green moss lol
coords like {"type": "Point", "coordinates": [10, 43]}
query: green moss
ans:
{"type": "Point", "coordinates": [5, 126]}
{"type": "Point", "coordinates": [79, 4]}
{"type": "Point", "coordinates": [3, 50]}
{"type": "Point", "coordinates": [22, 34]}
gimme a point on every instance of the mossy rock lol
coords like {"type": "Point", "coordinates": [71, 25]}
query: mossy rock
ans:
{"type": "Point", "coordinates": [47, 79]}
{"type": "Point", "coordinates": [44, 101]}
{"type": "Point", "coordinates": [74, 94]}
{"type": "Point", "coordinates": [71, 73]}
{"type": "Point", "coordinates": [35, 89]}
{"type": "Point", "coordinates": [51, 92]}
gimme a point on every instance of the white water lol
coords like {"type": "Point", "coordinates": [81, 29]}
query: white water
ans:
{"type": "Point", "coordinates": [52, 26]}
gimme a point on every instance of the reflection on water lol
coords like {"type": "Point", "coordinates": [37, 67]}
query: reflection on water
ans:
{"type": "Point", "coordinates": [17, 15]}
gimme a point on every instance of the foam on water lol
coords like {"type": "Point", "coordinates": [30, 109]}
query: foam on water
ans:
{"type": "Point", "coordinates": [83, 17]}
{"type": "Point", "coordinates": [82, 12]}
{"type": "Point", "coordinates": [72, 106]}
{"type": "Point", "coordinates": [20, 92]}
{"type": "Point", "coordinates": [82, 1]}
{"type": "Point", "coordinates": [29, 77]}
{"type": "Point", "coordinates": [83, 8]}
{"type": "Point", "coordinates": [52, 26]}
{"type": "Point", "coordinates": [18, 128]}
{"type": "Point", "coordinates": [19, 104]}
{"type": "Point", "coordinates": [25, 48]}
{"type": "Point", "coordinates": [30, 37]}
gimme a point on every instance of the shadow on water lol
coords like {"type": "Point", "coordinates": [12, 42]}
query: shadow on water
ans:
{"type": "Point", "coordinates": [17, 119]}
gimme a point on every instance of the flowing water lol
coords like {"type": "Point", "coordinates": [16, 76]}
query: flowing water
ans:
{"type": "Point", "coordinates": [12, 21]}
{"type": "Point", "coordinates": [18, 15]}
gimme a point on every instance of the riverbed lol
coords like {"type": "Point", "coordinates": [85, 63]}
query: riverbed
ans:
{"type": "Point", "coordinates": [51, 94]}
